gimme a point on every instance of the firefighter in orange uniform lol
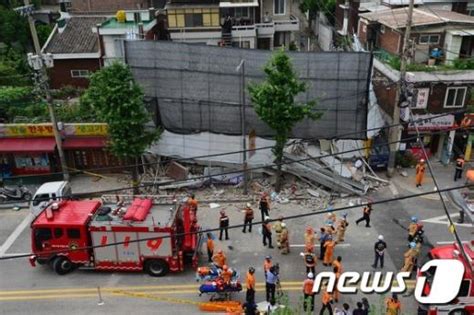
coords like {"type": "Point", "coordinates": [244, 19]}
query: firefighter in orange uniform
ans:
{"type": "Point", "coordinates": [326, 299]}
{"type": "Point", "coordinates": [226, 274]}
{"type": "Point", "coordinates": [219, 259]}
{"type": "Point", "coordinates": [309, 239]}
{"type": "Point", "coordinates": [336, 293]}
{"type": "Point", "coordinates": [341, 228]}
{"type": "Point", "coordinates": [210, 247]}
{"type": "Point", "coordinates": [328, 254]}
{"type": "Point", "coordinates": [393, 305]}
{"type": "Point", "coordinates": [420, 172]}
{"type": "Point", "coordinates": [308, 293]}
{"type": "Point", "coordinates": [409, 258]}
{"type": "Point", "coordinates": [337, 263]}
{"type": "Point", "coordinates": [250, 282]}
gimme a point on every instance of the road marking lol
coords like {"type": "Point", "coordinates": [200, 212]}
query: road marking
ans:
{"type": "Point", "coordinates": [451, 242]}
{"type": "Point", "coordinates": [318, 245]}
{"type": "Point", "coordinates": [14, 254]}
{"type": "Point", "coordinates": [443, 219]}
{"type": "Point", "coordinates": [12, 238]}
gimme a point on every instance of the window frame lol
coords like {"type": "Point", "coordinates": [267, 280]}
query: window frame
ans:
{"type": "Point", "coordinates": [70, 232]}
{"type": "Point", "coordinates": [429, 42]}
{"type": "Point", "coordinates": [456, 88]}
{"type": "Point", "coordinates": [275, 7]}
{"type": "Point", "coordinates": [80, 73]}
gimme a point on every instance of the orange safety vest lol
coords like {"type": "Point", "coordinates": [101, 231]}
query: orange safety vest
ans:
{"type": "Point", "coordinates": [308, 286]}
{"type": "Point", "coordinates": [210, 244]}
{"type": "Point", "coordinates": [326, 298]}
{"type": "Point", "coordinates": [219, 259]}
{"type": "Point", "coordinates": [338, 265]}
{"type": "Point", "coordinates": [393, 306]}
{"type": "Point", "coordinates": [250, 281]}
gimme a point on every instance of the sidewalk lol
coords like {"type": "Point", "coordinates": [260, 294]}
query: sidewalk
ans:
{"type": "Point", "coordinates": [444, 176]}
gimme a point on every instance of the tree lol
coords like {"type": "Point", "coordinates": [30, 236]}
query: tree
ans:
{"type": "Point", "coordinates": [328, 7]}
{"type": "Point", "coordinates": [118, 101]}
{"type": "Point", "coordinates": [274, 102]}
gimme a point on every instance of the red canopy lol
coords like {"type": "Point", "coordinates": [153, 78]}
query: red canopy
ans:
{"type": "Point", "coordinates": [84, 143]}
{"type": "Point", "coordinates": [29, 145]}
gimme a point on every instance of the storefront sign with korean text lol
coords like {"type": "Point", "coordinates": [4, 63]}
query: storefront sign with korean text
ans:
{"type": "Point", "coordinates": [46, 130]}
{"type": "Point", "coordinates": [432, 122]}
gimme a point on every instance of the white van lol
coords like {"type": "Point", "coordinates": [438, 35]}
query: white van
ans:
{"type": "Point", "coordinates": [47, 193]}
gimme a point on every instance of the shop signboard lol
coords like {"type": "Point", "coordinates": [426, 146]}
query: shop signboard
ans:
{"type": "Point", "coordinates": [432, 122]}
{"type": "Point", "coordinates": [46, 130]}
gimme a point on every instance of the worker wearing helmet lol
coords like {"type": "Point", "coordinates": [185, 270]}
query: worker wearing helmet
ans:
{"type": "Point", "coordinates": [264, 205]}
{"type": "Point", "coordinates": [310, 260]}
{"type": "Point", "coordinates": [459, 167]}
{"type": "Point", "coordinates": [309, 239]}
{"type": "Point", "coordinates": [409, 258]}
{"type": "Point", "coordinates": [379, 250]}
{"type": "Point", "coordinates": [223, 225]}
{"type": "Point", "coordinates": [267, 264]}
{"type": "Point", "coordinates": [226, 274]}
{"type": "Point", "coordinates": [193, 203]}
{"type": "Point", "coordinates": [219, 259]}
{"type": "Point", "coordinates": [326, 299]}
{"type": "Point", "coordinates": [284, 240]}
{"type": "Point", "coordinates": [308, 293]}
{"type": "Point", "coordinates": [329, 252]}
{"type": "Point", "coordinates": [366, 211]}
{"type": "Point", "coordinates": [420, 172]}
{"type": "Point", "coordinates": [250, 283]}
{"type": "Point", "coordinates": [267, 232]}
{"type": "Point", "coordinates": [248, 217]}
{"type": "Point", "coordinates": [412, 229]}
{"type": "Point", "coordinates": [277, 226]}
{"type": "Point", "coordinates": [341, 228]}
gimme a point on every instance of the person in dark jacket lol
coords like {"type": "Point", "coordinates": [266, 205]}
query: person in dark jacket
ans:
{"type": "Point", "coordinates": [379, 250]}
{"type": "Point", "coordinates": [223, 225]}
{"type": "Point", "coordinates": [267, 232]}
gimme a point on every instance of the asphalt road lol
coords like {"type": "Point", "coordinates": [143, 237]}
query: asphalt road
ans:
{"type": "Point", "coordinates": [27, 290]}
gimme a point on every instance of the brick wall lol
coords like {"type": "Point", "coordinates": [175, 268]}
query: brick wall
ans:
{"type": "Point", "coordinates": [60, 74]}
{"type": "Point", "coordinates": [389, 41]}
{"type": "Point", "coordinates": [353, 16]}
{"type": "Point", "coordinates": [385, 92]}
{"type": "Point", "coordinates": [108, 5]}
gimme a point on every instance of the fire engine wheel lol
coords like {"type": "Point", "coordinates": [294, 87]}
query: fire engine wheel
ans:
{"type": "Point", "coordinates": [156, 267]}
{"type": "Point", "coordinates": [61, 265]}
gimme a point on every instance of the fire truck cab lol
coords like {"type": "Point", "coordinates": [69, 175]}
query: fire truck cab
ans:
{"type": "Point", "coordinates": [463, 304]}
{"type": "Point", "coordinates": [130, 234]}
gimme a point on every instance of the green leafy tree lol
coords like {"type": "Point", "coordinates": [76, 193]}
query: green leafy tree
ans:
{"type": "Point", "coordinates": [274, 102]}
{"type": "Point", "coordinates": [13, 29]}
{"type": "Point", "coordinates": [118, 101]}
{"type": "Point", "coordinates": [328, 7]}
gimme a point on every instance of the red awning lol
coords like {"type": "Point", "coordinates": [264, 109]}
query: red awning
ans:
{"type": "Point", "coordinates": [22, 145]}
{"type": "Point", "coordinates": [84, 143]}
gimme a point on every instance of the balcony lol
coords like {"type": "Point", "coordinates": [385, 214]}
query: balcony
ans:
{"type": "Point", "coordinates": [291, 25]}
{"type": "Point", "coordinates": [244, 31]}
{"type": "Point", "coordinates": [265, 29]}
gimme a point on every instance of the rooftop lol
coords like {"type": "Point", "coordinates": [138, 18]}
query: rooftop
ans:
{"type": "Point", "coordinates": [397, 18]}
{"type": "Point", "coordinates": [70, 213]}
{"type": "Point", "coordinates": [112, 23]}
{"type": "Point", "coordinates": [77, 36]}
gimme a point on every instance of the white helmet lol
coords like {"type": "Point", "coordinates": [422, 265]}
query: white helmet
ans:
{"type": "Point", "coordinates": [283, 225]}
{"type": "Point", "coordinates": [310, 275]}
{"type": "Point", "coordinates": [249, 205]}
{"type": "Point", "coordinates": [381, 237]}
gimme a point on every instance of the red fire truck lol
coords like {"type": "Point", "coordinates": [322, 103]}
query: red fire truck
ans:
{"type": "Point", "coordinates": [464, 302]}
{"type": "Point", "coordinates": [71, 234]}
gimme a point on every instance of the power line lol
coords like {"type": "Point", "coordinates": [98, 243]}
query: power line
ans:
{"type": "Point", "coordinates": [291, 217]}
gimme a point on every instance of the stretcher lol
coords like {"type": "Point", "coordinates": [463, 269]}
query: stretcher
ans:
{"type": "Point", "coordinates": [218, 290]}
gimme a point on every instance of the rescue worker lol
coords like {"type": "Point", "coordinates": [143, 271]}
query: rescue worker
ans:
{"type": "Point", "coordinates": [226, 274]}
{"type": "Point", "coordinates": [309, 239]}
{"type": "Point", "coordinates": [329, 251]}
{"type": "Point", "coordinates": [219, 259]}
{"type": "Point", "coordinates": [379, 251]}
{"type": "Point", "coordinates": [365, 215]}
{"type": "Point", "coordinates": [308, 302]}
{"type": "Point", "coordinates": [193, 203]}
{"type": "Point", "coordinates": [420, 172]}
{"type": "Point", "coordinates": [336, 293]}
{"type": "Point", "coordinates": [264, 205]}
{"type": "Point", "coordinates": [459, 167]}
{"type": "Point", "coordinates": [337, 263]}
{"type": "Point", "coordinates": [223, 225]}
{"type": "Point", "coordinates": [248, 218]}
{"type": "Point", "coordinates": [267, 232]}
{"type": "Point", "coordinates": [393, 305]}
{"type": "Point", "coordinates": [409, 258]}
{"type": "Point", "coordinates": [250, 283]}
{"type": "Point", "coordinates": [210, 247]}
{"type": "Point", "coordinates": [277, 226]}
{"type": "Point", "coordinates": [412, 229]}
{"type": "Point", "coordinates": [285, 240]}
{"type": "Point", "coordinates": [326, 299]}
{"type": "Point", "coordinates": [323, 237]}
{"type": "Point", "coordinates": [330, 218]}
{"type": "Point", "coordinates": [310, 261]}
{"type": "Point", "coordinates": [271, 280]}
{"type": "Point", "coordinates": [267, 264]}
{"type": "Point", "coordinates": [342, 225]}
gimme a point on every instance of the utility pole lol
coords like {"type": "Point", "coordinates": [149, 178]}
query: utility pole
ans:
{"type": "Point", "coordinates": [395, 132]}
{"type": "Point", "coordinates": [38, 64]}
{"type": "Point", "coordinates": [241, 67]}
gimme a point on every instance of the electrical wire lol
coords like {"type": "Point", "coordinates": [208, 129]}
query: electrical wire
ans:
{"type": "Point", "coordinates": [290, 217]}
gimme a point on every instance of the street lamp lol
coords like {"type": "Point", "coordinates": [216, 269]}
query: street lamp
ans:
{"type": "Point", "coordinates": [241, 68]}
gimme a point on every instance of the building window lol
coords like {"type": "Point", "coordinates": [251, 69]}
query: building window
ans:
{"type": "Point", "coordinates": [242, 13]}
{"type": "Point", "coordinates": [470, 9]}
{"type": "Point", "coordinates": [73, 233]}
{"type": "Point", "coordinates": [455, 97]}
{"type": "Point", "coordinates": [427, 39]}
{"type": "Point", "coordinates": [79, 73]}
{"type": "Point", "coordinates": [193, 18]}
{"type": "Point", "coordinates": [279, 6]}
